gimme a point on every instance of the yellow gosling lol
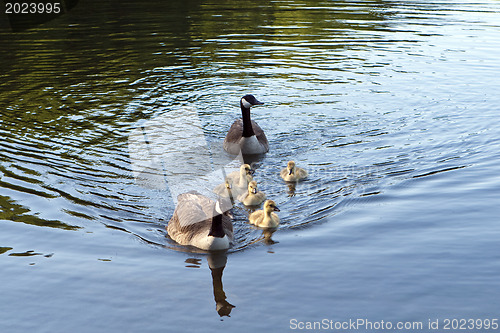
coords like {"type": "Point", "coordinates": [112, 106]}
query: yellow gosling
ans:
{"type": "Point", "coordinates": [292, 173]}
{"type": "Point", "coordinates": [266, 218]}
{"type": "Point", "coordinates": [224, 190]}
{"type": "Point", "coordinates": [240, 178]}
{"type": "Point", "coordinates": [253, 196]}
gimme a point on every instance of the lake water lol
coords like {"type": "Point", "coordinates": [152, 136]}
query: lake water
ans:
{"type": "Point", "coordinates": [392, 107]}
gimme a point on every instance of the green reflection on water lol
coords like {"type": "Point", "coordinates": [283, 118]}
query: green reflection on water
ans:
{"type": "Point", "coordinates": [73, 87]}
{"type": "Point", "coordinates": [12, 211]}
{"type": "Point", "coordinates": [82, 63]}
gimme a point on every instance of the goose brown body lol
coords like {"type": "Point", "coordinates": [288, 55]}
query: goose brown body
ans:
{"type": "Point", "coordinates": [193, 223]}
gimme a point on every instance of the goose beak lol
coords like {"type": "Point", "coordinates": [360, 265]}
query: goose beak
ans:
{"type": "Point", "coordinates": [254, 191]}
{"type": "Point", "coordinates": [276, 209]}
{"type": "Point", "coordinates": [256, 102]}
{"type": "Point", "coordinates": [290, 171]}
{"type": "Point", "coordinates": [251, 172]}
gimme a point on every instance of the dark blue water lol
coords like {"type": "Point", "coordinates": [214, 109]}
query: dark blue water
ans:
{"type": "Point", "coordinates": [390, 106]}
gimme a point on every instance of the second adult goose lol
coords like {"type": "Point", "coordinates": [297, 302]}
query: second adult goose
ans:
{"type": "Point", "coordinates": [245, 135]}
{"type": "Point", "coordinates": [201, 222]}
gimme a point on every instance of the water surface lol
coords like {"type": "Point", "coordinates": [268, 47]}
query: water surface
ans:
{"type": "Point", "coordinates": [390, 105]}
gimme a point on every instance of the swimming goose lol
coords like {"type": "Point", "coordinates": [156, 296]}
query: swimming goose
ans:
{"type": "Point", "coordinates": [266, 218]}
{"type": "Point", "coordinates": [292, 174]}
{"type": "Point", "coordinates": [200, 222]}
{"type": "Point", "coordinates": [245, 135]}
{"type": "Point", "coordinates": [252, 197]}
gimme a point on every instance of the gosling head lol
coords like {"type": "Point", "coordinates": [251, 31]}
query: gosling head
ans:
{"type": "Point", "coordinates": [290, 166]}
{"type": "Point", "coordinates": [248, 101]}
{"type": "Point", "coordinates": [270, 206]}
{"type": "Point", "coordinates": [252, 187]}
{"type": "Point", "coordinates": [246, 169]}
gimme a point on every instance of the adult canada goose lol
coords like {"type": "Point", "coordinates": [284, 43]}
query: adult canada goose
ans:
{"type": "Point", "coordinates": [245, 135]}
{"type": "Point", "coordinates": [200, 222]}
{"type": "Point", "coordinates": [292, 174]}
{"type": "Point", "coordinates": [266, 218]}
{"type": "Point", "coordinates": [252, 197]}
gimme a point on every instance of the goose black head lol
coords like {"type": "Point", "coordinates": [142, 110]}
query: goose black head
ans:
{"type": "Point", "coordinates": [248, 101]}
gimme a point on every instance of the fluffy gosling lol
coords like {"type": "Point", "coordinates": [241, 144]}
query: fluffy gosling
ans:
{"type": "Point", "coordinates": [253, 196]}
{"type": "Point", "coordinates": [292, 174]}
{"type": "Point", "coordinates": [266, 218]}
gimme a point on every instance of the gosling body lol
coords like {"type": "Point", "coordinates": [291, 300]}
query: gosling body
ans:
{"type": "Point", "coordinates": [224, 190]}
{"type": "Point", "coordinates": [237, 180]}
{"type": "Point", "coordinates": [266, 218]}
{"type": "Point", "coordinates": [292, 173]}
{"type": "Point", "coordinates": [253, 196]}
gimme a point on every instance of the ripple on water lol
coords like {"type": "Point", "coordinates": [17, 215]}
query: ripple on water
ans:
{"type": "Point", "coordinates": [363, 95]}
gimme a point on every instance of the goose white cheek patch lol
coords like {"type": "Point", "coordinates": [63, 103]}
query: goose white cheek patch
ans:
{"type": "Point", "coordinates": [217, 208]}
{"type": "Point", "coordinates": [245, 103]}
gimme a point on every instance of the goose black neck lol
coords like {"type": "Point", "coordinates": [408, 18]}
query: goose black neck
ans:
{"type": "Point", "coordinates": [247, 122]}
{"type": "Point", "coordinates": [217, 230]}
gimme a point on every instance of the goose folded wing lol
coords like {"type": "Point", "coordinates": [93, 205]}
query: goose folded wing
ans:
{"type": "Point", "coordinates": [192, 208]}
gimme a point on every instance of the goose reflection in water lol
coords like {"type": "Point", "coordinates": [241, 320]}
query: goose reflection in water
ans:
{"type": "Point", "coordinates": [216, 262]}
